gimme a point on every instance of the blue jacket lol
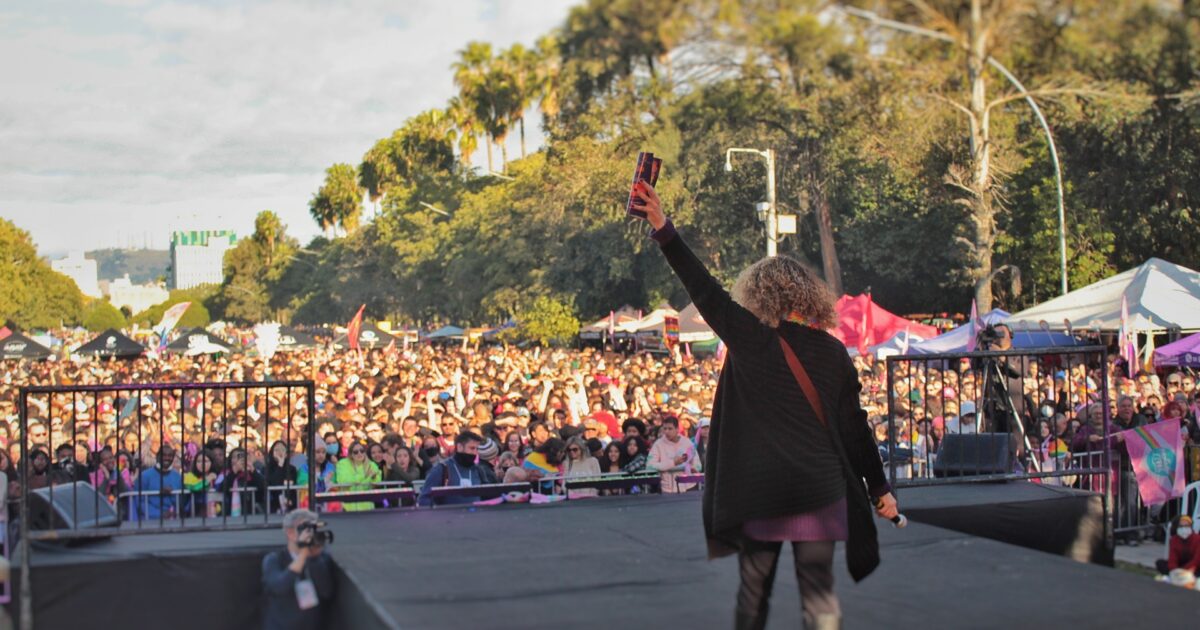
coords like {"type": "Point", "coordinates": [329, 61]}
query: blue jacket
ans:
{"type": "Point", "coordinates": [150, 482]}
{"type": "Point", "coordinates": [448, 473]}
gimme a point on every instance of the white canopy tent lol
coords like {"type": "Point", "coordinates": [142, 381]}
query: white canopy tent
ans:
{"type": "Point", "coordinates": [692, 327]}
{"type": "Point", "coordinates": [1161, 296]}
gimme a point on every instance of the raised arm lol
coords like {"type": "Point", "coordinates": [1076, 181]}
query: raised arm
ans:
{"type": "Point", "coordinates": [735, 325]}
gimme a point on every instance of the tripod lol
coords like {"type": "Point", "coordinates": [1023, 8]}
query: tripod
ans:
{"type": "Point", "coordinates": [997, 404]}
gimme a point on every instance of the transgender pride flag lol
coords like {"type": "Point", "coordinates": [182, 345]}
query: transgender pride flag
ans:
{"type": "Point", "coordinates": [1157, 460]}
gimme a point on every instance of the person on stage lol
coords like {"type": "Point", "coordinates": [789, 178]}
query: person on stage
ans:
{"type": "Point", "coordinates": [775, 471]}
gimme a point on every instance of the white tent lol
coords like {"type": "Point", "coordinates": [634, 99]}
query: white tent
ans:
{"type": "Point", "coordinates": [692, 327]}
{"type": "Point", "coordinates": [1161, 295]}
{"type": "Point", "coordinates": [652, 321]}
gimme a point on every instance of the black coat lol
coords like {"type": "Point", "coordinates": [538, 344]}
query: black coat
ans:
{"type": "Point", "coordinates": [768, 454]}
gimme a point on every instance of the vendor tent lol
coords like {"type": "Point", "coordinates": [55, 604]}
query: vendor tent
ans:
{"type": "Point", "coordinates": [369, 336]}
{"type": "Point", "coordinates": [1161, 295]}
{"type": "Point", "coordinates": [959, 339]}
{"type": "Point", "coordinates": [447, 332]}
{"type": "Point", "coordinates": [900, 343]}
{"type": "Point", "coordinates": [692, 327]}
{"type": "Point", "coordinates": [18, 346]}
{"type": "Point", "coordinates": [653, 321]}
{"type": "Point", "coordinates": [859, 314]}
{"type": "Point", "coordinates": [199, 341]}
{"type": "Point", "coordinates": [599, 328]}
{"type": "Point", "coordinates": [292, 340]}
{"type": "Point", "coordinates": [111, 343]}
{"type": "Point", "coordinates": [1182, 353]}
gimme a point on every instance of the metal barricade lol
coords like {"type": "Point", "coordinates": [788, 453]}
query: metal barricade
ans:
{"type": "Point", "coordinates": [128, 432]}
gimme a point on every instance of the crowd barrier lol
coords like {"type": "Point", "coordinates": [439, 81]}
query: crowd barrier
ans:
{"type": "Point", "coordinates": [137, 420]}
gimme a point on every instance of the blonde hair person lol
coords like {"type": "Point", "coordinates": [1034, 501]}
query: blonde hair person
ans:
{"type": "Point", "coordinates": [580, 463]}
{"type": "Point", "coordinates": [758, 495]}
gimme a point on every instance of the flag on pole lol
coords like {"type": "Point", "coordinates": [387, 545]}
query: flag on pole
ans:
{"type": "Point", "coordinates": [612, 325]}
{"type": "Point", "coordinates": [1127, 339]}
{"type": "Point", "coordinates": [169, 319]}
{"type": "Point", "coordinates": [1155, 452]}
{"type": "Point", "coordinates": [1148, 358]}
{"type": "Point", "coordinates": [904, 341]}
{"type": "Point", "coordinates": [975, 327]}
{"type": "Point", "coordinates": [866, 332]}
{"type": "Point", "coordinates": [354, 328]}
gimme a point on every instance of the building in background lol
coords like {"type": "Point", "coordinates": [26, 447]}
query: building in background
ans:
{"type": "Point", "coordinates": [81, 270]}
{"type": "Point", "coordinates": [137, 297]}
{"type": "Point", "coordinates": [197, 257]}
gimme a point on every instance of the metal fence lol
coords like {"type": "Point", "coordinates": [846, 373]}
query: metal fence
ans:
{"type": "Point", "coordinates": [161, 457]}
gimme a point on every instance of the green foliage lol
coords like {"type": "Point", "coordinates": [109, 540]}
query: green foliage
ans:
{"type": "Point", "coordinates": [100, 315]}
{"type": "Point", "coordinates": [544, 320]}
{"type": "Point", "coordinates": [338, 203]}
{"type": "Point", "coordinates": [32, 295]}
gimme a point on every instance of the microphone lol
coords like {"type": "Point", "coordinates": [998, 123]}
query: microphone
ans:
{"type": "Point", "coordinates": [899, 521]}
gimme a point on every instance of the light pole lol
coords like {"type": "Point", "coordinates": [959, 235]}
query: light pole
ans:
{"type": "Point", "coordinates": [875, 18]}
{"type": "Point", "coordinates": [772, 223]}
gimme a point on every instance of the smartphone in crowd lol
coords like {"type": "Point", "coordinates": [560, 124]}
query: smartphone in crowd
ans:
{"type": "Point", "coordinates": [646, 170]}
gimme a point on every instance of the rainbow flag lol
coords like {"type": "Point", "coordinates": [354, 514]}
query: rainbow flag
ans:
{"type": "Point", "coordinates": [1156, 452]}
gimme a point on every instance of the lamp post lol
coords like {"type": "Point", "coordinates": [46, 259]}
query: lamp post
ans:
{"type": "Point", "coordinates": [772, 223]}
{"type": "Point", "coordinates": [875, 18]}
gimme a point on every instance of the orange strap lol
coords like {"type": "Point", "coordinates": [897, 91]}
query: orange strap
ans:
{"type": "Point", "coordinates": [802, 379]}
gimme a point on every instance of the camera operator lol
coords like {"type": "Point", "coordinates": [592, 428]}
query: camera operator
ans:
{"type": "Point", "coordinates": [298, 581]}
{"type": "Point", "coordinates": [1000, 415]}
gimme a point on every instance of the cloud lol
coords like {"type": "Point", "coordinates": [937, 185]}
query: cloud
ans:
{"type": "Point", "coordinates": [122, 115]}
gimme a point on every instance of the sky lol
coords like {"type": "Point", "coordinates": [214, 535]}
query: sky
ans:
{"type": "Point", "coordinates": [122, 120]}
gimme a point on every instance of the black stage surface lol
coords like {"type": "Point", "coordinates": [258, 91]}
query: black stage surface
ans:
{"type": "Point", "coordinates": [629, 562]}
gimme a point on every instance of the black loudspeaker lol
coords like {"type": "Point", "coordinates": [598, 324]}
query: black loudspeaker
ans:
{"type": "Point", "coordinates": [967, 454]}
{"type": "Point", "coordinates": [70, 506]}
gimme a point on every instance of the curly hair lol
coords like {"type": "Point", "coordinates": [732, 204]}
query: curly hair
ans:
{"type": "Point", "coordinates": [774, 288]}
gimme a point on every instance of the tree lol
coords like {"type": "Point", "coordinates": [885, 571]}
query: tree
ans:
{"type": "Point", "coordinates": [477, 90]}
{"type": "Point", "coordinates": [338, 203]}
{"type": "Point", "coordinates": [546, 320]}
{"type": "Point", "coordinates": [267, 231]}
{"type": "Point", "coordinates": [100, 315]}
{"type": "Point", "coordinates": [32, 295]}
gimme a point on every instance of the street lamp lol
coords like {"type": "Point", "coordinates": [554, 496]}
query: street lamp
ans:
{"type": "Point", "coordinates": [772, 224]}
{"type": "Point", "coordinates": [875, 18]}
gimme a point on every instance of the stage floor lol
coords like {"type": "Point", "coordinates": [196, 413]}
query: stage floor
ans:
{"type": "Point", "coordinates": [639, 562]}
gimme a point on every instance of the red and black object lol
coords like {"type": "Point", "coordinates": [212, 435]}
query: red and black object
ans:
{"type": "Point", "coordinates": [646, 170]}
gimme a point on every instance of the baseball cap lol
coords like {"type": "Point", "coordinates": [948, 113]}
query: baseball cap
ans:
{"type": "Point", "coordinates": [967, 408]}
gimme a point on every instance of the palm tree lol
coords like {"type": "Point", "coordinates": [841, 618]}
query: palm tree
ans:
{"type": "Point", "coordinates": [339, 200]}
{"type": "Point", "coordinates": [470, 77]}
{"type": "Point", "coordinates": [268, 229]}
{"type": "Point", "coordinates": [547, 74]}
{"type": "Point", "coordinates": [462, 117]}
{"type": "Point", "coordinates": [519, 65]}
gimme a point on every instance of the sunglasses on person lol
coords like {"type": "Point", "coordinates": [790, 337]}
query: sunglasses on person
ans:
{"type": "Point", "coordinates": [574, 449]}
{"type": "Point", "coordinates": [357, 451]}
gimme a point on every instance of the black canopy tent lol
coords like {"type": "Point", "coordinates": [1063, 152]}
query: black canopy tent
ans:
{"type": "Point", "coordinates": [112, 343]}
{"type": "Point", "coordinates": [18, 346]}
{"type": "Point", "coordinates": [370, 336]}
{"type": "Point", "coordinates": [198, 338]}
{"type": "Point", "coordinates": [291, 340]}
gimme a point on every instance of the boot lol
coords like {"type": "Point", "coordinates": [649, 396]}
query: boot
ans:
{"type": "Point", "coordinates": [745, 621]}
{"type": "Point", "coordinates": [822, 622]}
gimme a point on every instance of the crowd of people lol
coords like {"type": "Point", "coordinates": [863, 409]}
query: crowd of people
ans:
{"type": "Point", "coordinates": [400, 416]}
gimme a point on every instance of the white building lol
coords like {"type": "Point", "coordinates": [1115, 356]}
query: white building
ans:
{"type": "Point", "coordinates": [197, 257]}
{"type": "Point", "coordinates": [82, 270]}
{"type": "Point", "coordinates": [138, 297]}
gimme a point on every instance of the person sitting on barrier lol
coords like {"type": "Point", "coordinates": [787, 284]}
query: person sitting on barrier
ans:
{"type": "Point", "coordinates": [325, 467]}
{"type": "Point", "coordinates": [157, 486]}
{"type": "Point", "coordinates": [280, 472]}
{"type": "Point", "coordinates": [356, 473]}
{"type": "Point", "coordinates": [243, 487]}
{"type": "Point", "coordinates": [298, 581]}
{"type": "Point", "coordinates": [1183, 550]}
{"type": "Point", "coordinates": [671, 455]}
{"type": "Point", "coordinates": [457, 471]}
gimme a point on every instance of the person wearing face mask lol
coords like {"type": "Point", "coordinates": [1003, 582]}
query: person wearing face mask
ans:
{"type": "Point", "coordinates": [1183, 552]}
{"type": "Point", "coordinates": [458, 470]}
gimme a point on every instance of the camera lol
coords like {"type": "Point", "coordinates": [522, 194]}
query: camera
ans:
{"type": "Point", "coordinates": [987, 338]}
{"type": "Point", "coordinates": [320, 535]}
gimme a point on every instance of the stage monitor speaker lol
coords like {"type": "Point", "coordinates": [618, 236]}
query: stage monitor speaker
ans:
{"type": "Point", "coordinates": [968, 454]}
{"type": "Point", "coordinates": [70, 506]}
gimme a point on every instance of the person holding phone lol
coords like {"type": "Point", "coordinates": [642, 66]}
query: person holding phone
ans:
{"type": "Point", "coordinates": [813, 493]}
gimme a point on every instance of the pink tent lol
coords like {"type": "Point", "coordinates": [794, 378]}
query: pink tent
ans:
{"type": "Point", "coordinates": [864, 323]}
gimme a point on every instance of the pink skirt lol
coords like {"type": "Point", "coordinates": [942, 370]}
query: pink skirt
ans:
{"type": "Point", "coordinates": [824, 523]}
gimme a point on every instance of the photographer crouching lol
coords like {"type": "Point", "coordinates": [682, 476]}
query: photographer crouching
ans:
{"type": "Point", "coordinates": [298, 581]}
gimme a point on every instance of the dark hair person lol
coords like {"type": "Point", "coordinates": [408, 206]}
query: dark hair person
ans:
{"type": "Point", "coordinates": [811, 500]}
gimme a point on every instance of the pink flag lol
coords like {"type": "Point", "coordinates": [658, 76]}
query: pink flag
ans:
{"type": "Point", "coordinates": [1127, 339]}
{"type": "Point", "coordinates": [976, 325]}
{"type": "Point", "coordinates": [1157, 460]}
